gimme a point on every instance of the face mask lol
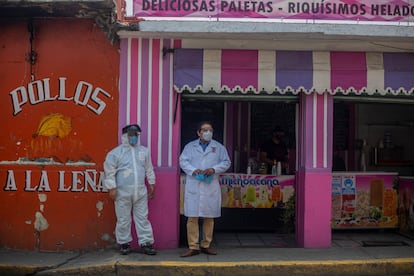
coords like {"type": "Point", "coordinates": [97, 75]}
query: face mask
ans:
{"type": "Point", "coordinates": [207, 135]}
{"type": "Point", "coordinates": [133, 140]}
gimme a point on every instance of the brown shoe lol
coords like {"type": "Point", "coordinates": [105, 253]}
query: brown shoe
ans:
{"type": "Point", "coordinates": [208, 251]}
{"type": "Point", "coordinates": [190, 252]}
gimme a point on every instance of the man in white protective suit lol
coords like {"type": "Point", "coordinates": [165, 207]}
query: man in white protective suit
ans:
{"type": "Point", "coordinates": [126, 167]}
{"type": "Point", "coordinates": [201, 160]}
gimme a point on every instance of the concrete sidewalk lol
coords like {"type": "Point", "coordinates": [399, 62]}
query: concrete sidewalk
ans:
{"type": "Point", "coordinates": [350, 254]}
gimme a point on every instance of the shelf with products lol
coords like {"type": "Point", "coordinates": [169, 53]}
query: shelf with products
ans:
{"type": "Point", "coordinates": [389, 157]}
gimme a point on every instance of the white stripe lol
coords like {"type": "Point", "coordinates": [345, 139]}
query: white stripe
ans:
{"type": "Point", "coordinates": [267, 70]}
{"type": "Point", "coordinates": [225, 124]}
{"type": "Point", "coordinates": [297, 137]}
{"type": "Point", "coordinates": [128, 92]}
{"type": "Point", "coordinates": [325, 130]}
{"type": "Point", "coordinates": [239, 114]}
{"type": "Point", "coordinates": [212, 69]}
{"type": "Point", "coordinates": [139, 82]}
{"type": "Point", "coordinates": [149, 92]}
{"type": "Point", "coordinates": [321, 71]}
{"type": "Point", "coordinates": [170, 117]}
{"type": "Point", "coordinates": [129, 8]}
{"type": "Point", "coordinates": [314, 129]}
{"type": "Point", "coordinates": [375, 72]}
{"type": "Point", "coordinates": [302, 143]}
{"type": "Point", "coordinates": [160, 100]}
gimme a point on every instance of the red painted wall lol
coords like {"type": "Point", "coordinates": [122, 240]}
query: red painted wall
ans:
{"type": "Point", "coordinates": [59, 118]}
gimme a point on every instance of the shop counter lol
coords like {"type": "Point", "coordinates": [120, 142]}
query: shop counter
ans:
{"type": "Point", "coordinates": [254, 201]}
{"type": "Point", "coordinates": [255, 190]}
{"type": "Point", "coordinates": [251, 201]}
{"type": "Point", "coordinates": [364, 200]}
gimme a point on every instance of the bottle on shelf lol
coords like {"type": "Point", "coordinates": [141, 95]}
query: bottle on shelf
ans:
{"type": "Point", "coordinates": [274, 167]}
{"type": "Point", "coordinates": [279, 169]}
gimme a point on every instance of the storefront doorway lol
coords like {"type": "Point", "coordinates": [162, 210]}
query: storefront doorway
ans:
{"type": "Point", "coordinates": [243, 126]}
{"type": "Point", "coordinates": [369, 136]}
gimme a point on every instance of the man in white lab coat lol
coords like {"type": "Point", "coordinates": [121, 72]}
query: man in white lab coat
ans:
{"type": "Point", "coordinates": [201, 160]}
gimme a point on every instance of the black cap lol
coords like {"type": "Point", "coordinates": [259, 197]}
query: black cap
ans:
{"type": "Point", "coordinates": [133, 127]}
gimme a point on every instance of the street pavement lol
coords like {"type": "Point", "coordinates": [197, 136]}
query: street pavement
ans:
{"type": "Point", "coordinates": [352, 253]}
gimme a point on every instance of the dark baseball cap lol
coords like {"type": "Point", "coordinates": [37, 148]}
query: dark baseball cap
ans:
{"type": "Point", "coordinates": [131, 128]}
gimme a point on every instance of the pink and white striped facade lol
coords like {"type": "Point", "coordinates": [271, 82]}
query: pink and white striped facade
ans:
{"type": "Point", "coordinates": [150, 87]}
{"type": "Point", "coordinates": [147, 98]}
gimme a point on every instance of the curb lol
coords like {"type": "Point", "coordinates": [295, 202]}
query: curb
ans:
{"type": "Point", "coordinates": [281, 268]}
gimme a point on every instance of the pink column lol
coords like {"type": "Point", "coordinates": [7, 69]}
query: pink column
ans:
{"type": "Point", "coordinates": [146, 97]}
{"type": "Point", "coordinates": [313, 191]}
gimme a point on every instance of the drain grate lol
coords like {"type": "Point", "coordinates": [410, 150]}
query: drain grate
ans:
{"type": "Point", "coordinates": [384, 243]}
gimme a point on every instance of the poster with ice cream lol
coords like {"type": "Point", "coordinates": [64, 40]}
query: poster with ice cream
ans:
{"type": "Point", "coordinates": [255, 191]}
{"type": "Point", "coordinates": [364, 200]}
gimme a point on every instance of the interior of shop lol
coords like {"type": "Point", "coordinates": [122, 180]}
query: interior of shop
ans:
{"type": "Point", "coordinates": [375, 135]}
{"type": "Point", "coordinates": [368, 135]}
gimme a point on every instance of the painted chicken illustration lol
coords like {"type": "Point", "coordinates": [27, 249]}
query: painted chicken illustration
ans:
{"type": "Point", "coordinates": [53, 140]}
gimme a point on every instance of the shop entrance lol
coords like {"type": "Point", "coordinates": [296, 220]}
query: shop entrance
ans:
{"type": "Point", "coordinates": [371, 139]}
{"type": "Point", "coordinates": [244, 127]}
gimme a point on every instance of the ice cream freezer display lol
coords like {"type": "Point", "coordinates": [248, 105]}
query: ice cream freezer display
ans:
{"type": "Point", "coordinates": [255, 190]}
{"type": "Point", "coordinates": [255, 202]}
{"type": "Point", "coordinates": [251, 202]}
{"type": "Point", "coordinates": [364, 200]}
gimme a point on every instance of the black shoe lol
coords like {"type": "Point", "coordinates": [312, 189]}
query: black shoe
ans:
{"type": "Point", "coordinates": [125, 249]}
{"type": "Point", "coordinates": [209, 251]}
{"type": "Point", "coordinates": [148, 249]}
{"type": "Point", "coordinates": [190, 252]}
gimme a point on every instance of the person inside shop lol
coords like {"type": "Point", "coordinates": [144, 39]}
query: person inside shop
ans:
{"type": "Point", "coordinates": [275, 149]}
{"type": "Point", "coordinates": [202, 160]}
{"type": "Point", "coordinates": [126, 167]}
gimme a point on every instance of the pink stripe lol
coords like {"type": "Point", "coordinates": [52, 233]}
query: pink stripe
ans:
{"type": "Point", "coordinates": [348, 69]}
{"type": "Point", "coordinates": [307, 137]}
{"type": "Point", "coordinates": [320, 115]}
{"type": "Point", "coordinates": [155, 106]}
{"type": "Point", "coordinates": [239, 67]}
{"type": "Point", "coordinates": [122, 85]}
{"type": "Point", "coordinates": [176, 127]}
{"type": "Point", "coordinates": [177, 44]}
{"type": "Point", "coordinates": [134, 82]}
{"type": "Point", "coordinates": [166, 87]}
{"type": "Point", "coordinates": [144, 90]}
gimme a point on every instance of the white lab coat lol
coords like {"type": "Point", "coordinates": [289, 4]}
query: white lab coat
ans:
{"type": "Point", "coordinates": [125, 169]}
{"type": "Point", "coordinates": [200, 198]}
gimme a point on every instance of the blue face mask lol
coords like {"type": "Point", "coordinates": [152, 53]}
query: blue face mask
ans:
{"type": "Point", "coordinates": [133, 140]}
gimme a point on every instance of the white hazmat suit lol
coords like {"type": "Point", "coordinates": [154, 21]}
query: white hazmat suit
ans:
{"type": "Point", "coordinates": [125, 168]}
